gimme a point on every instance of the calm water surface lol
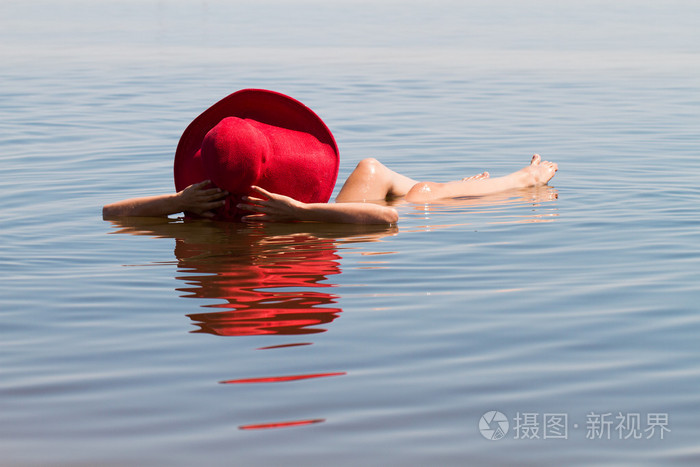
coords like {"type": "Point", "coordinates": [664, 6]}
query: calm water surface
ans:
{"type": "Point", "coordinates": [164, 342]}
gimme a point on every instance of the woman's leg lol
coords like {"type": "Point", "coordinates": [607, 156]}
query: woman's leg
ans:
{"type": "Point", "coordinates": [371, 181]}
{"type": "Point", "coordinates": [537, 173]}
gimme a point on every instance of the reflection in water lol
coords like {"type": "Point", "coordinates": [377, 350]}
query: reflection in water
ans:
{"type": "Point", "coordinates": [281, 379]}
{"type": "Point", "coordinates": [276, 279]}
{"type": "Point", "coordinates": [267, 426]}
{"type": "Point", "coordinates": [499, 206]}
{"type": "Point", "coordinates": [259, 285]}
{"type": "Point", "coordinates": [272, 278]}
{"type": "Point", "coordinates": [281, 346]}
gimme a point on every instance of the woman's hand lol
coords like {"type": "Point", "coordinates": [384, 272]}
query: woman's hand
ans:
{"type": "Point", "coordinates": [280, 208]}
{"type": "Point", "coordinates": [276, 208]}
{"type": "Point", "coordinates": [200, 200]}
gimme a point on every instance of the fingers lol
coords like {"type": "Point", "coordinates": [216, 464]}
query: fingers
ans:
{"type": "Point", "coordinates": [259, 202]}
{"type": "Point", "coordinates": [250, 199]}
{"type": "Point", "coordinates": [198, 194]}
{"type": "Point", "coordinates": [209, 194]}
{"type": "Point", "coordinates": [201, 184]}
{"type": "Point", "coordinates": [213, 205]}
{"type": "Point", "coordinates": [255, 208]}
{"type": "Point", "coordinates": [269, 195]}
{"type": "Point", "coordinates": [265, 205]}
{"type": "Point", "coordinates": [264, 210]}
{"type": "Point", "coordinates": [251, 204]}
{"type": "Point", "coordinates": [213, 192]}
{"type": "Point", "coordinates": [201, 188]}
{"type": "Point", "coordinates": [262, 191]}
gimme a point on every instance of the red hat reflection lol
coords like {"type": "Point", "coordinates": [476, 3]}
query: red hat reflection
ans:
{"type": "Point", "coordinates": [267, 287]}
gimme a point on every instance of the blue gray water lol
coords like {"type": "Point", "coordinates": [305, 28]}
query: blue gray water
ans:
{"type": "Point", "coordinates": [175, 343]}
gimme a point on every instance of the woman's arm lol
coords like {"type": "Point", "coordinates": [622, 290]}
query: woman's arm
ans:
{"type": "Point", "coordinates": [195, 198]}
{"type": "Point", "coordinates": [280, 208]}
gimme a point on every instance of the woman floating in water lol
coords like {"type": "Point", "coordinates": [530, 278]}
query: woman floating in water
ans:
{"type": "Point", "coordinates": [370, 181]}
{"type": "Point", "coordinates": [258, 155]}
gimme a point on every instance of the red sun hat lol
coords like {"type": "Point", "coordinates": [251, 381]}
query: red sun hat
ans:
{"type": "Point", "coordinates": [263, 138]}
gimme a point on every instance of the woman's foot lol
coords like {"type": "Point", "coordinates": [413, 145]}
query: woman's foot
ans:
{"type": "Point", "coordinates": [539, 172]}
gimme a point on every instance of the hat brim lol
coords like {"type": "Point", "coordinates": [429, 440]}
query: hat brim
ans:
{"type": "Point", "coordinates": [267, 107]}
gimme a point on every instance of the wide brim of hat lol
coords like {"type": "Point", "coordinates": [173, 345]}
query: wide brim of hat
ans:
{"type": "Point", "coordinates": [269, 107]}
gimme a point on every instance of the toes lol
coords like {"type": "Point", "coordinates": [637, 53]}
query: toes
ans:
{"type": "Point", "coordinates": [480, 176]}
{"type": "Point", "coordinates": [535, 159]}
{"type": "Point", "coordinates": [551, 166]}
